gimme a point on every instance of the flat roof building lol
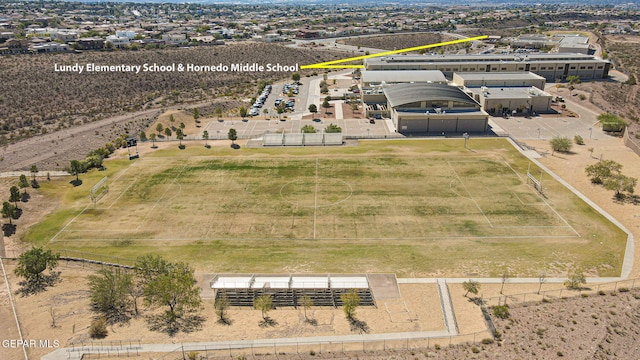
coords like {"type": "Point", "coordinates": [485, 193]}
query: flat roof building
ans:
{"type": "Point", "coordinates": [373, 78]}
{"type": "Point", "coordinates": [499, 79]}
{"type": "Point", "coordinates": [549, 66]}
{"type": "Point", "coordinates": [512, 100]}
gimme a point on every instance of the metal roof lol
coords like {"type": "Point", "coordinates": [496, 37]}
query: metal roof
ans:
{"type": "Point", "coordinates": [403, 76]}
{"type": "Point", "coordinates": [468, 76]}
{"type": "Point", "coordinates": [513, 57]}
{"type": "Point", "coordinates": [402, 94]}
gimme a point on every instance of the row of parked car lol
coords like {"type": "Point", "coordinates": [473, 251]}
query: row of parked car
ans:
{"type": "Point", "coordinates": [288, 104]}
{"type": "Point", "coordinates": [255, 108]}
{"type": "Point", "coordinates": [293, 87]}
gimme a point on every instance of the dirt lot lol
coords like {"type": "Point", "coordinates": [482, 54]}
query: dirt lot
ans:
{"type": "Point", "coordinates": [69, 303]}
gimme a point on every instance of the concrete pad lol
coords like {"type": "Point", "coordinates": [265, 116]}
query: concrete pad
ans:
{"type": "Point", "coordinates": [384, 286]}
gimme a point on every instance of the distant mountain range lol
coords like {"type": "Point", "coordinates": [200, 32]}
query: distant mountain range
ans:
{"type": "Point", "coordinates": [383, 2]}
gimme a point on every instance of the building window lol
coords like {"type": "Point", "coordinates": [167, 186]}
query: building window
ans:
{"type": "Point", "coordinates": [599, 67]}
{"type": "Point", "coordinates": [521, 68]}
{"type": "Point", "coordinates": [494, 69]}
{"type": "Point", "coordinates": [572, 68]}
{"type": "Point", "coordinates": [543, 68]}
{"type": "Point", "coordinates": [590, 67]}
{"type": "Point", "coordinates": [581, 67]}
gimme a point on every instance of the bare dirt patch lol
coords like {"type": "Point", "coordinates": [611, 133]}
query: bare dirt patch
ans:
{"type": "Point", "coordinates": [68, 99]}
{"type": "Point", "coordinates": [417, 310]}
{"type": "Point", "coordinates": [394, 42]}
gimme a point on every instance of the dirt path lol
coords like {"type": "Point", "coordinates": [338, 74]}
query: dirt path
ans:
{"type": "Point", "coordinates": [53, 151]}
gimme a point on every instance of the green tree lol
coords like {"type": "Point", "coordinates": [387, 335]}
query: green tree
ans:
{"type": "Point", "coordinates": [575, 279]}
{"type": "Point", "coordinates": [243, 112]}
{"type": "Point", "coordinates": [295, 76]}
{"type": "Point", "coordinates": [143, 136]}
{"type": "Point", "coordinates": [611, 122]}
{"type": "Point", "coordinates": [14, 195]}
{"type": "Point", "coordinates": [308, 129]}
{"type": "Point", "coordinates": [152, 137]}
{"type": "Point", "coordinates": [326, 105]}
{"type": "Point", "coordinates": [196, 114]}
{"type": "Point", "coordinates": [34, 171]}
{"type": "Point", "coordinates": [8, 211]}
{"type": "Point", "coordinates": [159, 128]}
{"type": "Point", "coordinates": [218, 112]}
{"type": "Point", "coordinates": [574, 79]}
{"type": "Point", "coordinates": [172, 119]}
{"type": "Point", "coordinates": [182, 126]}
{"type": "Point", "coordinates": [179, 136]}
{"type": "Point", "coordinates": [76, 168]}
{"type": "Point", "coordinates": [232, 135]}
{"type": "Point", "coordinates": [221, 305]}
{"type": "Point", "coordinates": [264, 303]}
{"type": "Point", "coordinates": [350, 302]}
{"type": "Point", "coordinates": [168, 132]}
{"type": "Point", "coordinates": [313, 108]}
{"type": "Point", "coordinates": [561, 144]}
{"type": "Point", "coordinates": [109, 292]}
{"type": "Point", "coordinates": [602, 170]}
{"type": "Point", "coordinates": [306, 302]}
{"type": "Point", "coordinates": [620, 183]}
{"type": "Point", "coordinates": [331, 128]}
{"type": "Point", "coordinates": [23, 182]}
{"type": "Point", "coordinates": [31, 266]}
{"type": "Point", "coordinates": [471, 286]}
{"type": "Point", "coordinates": [205, 137]}
{"type": "Point", "coordinates": [174, 288]}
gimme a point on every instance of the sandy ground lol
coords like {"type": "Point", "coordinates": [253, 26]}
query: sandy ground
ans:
{"type": "Point", "coordinates": [417, 310]}
{"type": "Point", "coordinates": [570, 167]}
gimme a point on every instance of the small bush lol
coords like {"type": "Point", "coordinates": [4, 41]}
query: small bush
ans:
{"type": "Point", "coordinates": [578, 140]}
{"type": "Point", "coordinates": [193, 355]}
{"type": "Point", "coordinates": [501, 311]}
{"type": "Point", "coordinates": [436, 346]}
{"type": "Point", "coordinates": [312, 353]}
{"type": "Point", "coordinates": [601, 292]}
{"type": "Point", "coordinates": [487, 341]}
{"type": "Point", "coordinates": [623, 289]}
{"type": "Point", "coordinates": [584, 295]}
{"type": "Point", "coordinates": [560, 354]}
{"type": "Point", "coordinates": [475, 350]}
{"type": "Point", "coordinates": [582, 97]}
{"type": "Point", "coordinates": [98, 328]}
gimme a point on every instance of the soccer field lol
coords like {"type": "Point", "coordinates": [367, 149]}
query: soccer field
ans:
{"type": "Point", "coordinates": [418, 207]}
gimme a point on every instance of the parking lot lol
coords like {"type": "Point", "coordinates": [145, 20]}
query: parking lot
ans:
{"type": "Point", "coordinates": [255, 128]}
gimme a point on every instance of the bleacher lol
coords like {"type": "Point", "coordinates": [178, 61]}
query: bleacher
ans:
{"type": "Point", "coordinates": [287, 290]}
{"type": "Point", "coordinates": [301, 139]}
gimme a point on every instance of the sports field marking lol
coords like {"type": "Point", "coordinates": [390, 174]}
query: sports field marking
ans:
{"type": "Point", "coordinates": [143, 219]}
{"type": "Point", "coordinates": [469, 192]}
{"type": "Point", "coordinates": [315, 202]}
{"type": "Point", "coordinates": [331, 64]}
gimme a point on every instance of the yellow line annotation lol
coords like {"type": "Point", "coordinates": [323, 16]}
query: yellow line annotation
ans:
{"type": "Point", "coordinates": [331, 64]}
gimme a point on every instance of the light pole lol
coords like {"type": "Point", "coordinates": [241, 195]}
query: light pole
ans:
{"type": "Point", "coordinates": [368, 132]}
{"type": "Point", "coordinates": [466, 137]}
{"type": "Point", "coordinates": [590, 132]}
{"type": "Point", "coordinates": [538, 133]}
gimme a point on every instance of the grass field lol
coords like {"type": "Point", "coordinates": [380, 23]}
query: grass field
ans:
{"type": "Point", "coordinates": [410, 207]}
